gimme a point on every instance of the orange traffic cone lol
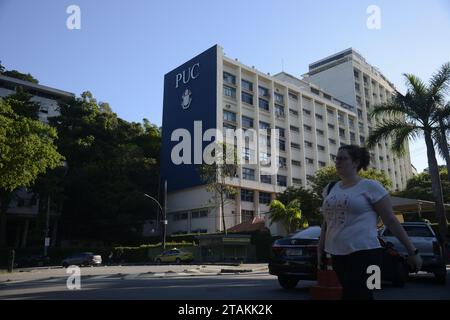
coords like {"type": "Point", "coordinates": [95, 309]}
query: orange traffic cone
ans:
{"type": "Point", "coordinates": [328, 286]}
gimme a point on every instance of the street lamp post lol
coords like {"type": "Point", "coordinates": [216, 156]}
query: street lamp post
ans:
{"type": "Point", "coordinates": [164, 221]}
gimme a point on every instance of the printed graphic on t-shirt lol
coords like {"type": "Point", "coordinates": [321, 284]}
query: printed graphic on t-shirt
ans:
{"type": "Point", "coordinates": [336, 210]}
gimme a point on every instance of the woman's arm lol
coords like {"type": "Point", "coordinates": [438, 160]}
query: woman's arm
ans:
{"type": "Point", "coordinates": [383, 208]}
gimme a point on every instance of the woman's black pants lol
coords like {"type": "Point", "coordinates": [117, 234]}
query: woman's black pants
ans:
{"type": "Point", "coordinates": [352, 273]}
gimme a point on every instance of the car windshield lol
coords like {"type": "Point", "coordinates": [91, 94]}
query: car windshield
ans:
{"type": "Point", "coordinates": [308, 233]}
{"type": "Point", "coordinates": [413, 231]}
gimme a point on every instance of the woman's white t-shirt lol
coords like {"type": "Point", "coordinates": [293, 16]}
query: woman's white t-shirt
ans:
{"type": "Point", "coordinates": [350, 217]}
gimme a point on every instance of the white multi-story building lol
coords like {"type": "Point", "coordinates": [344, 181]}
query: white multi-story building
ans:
{"type": "Point", "coordinates": [23, 209]}
{"type": "Point", "coordinates": [222, 93]}
{"type": "Point", "coordinates": [349, 77]}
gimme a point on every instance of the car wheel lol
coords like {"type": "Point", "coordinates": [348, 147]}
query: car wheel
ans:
{"type": "Point", "coordinates": [158, 261]}
{"type": "Point", "coordinates": [287, 282]}
{"type": "Point", "coordinates": [400, 275]}
{"type": "Point", "coordinates": [441, 276]}
{"type": "Point", "coordinates": [178, 260]}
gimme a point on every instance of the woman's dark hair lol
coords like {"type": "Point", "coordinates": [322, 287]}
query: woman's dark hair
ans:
{"type": "Point", "coordinates": [358, 154]}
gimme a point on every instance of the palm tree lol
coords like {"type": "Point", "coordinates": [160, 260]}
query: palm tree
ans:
{"type": "Point", "coordinates": [443, 117]}
{"type": "Point", "coordinates": [409, 117]}
{"type": "Point", "coordinates": [289, 216]}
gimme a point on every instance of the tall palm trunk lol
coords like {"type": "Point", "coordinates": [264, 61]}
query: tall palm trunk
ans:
{"type": "Point", "coordinates": [444, 147]}
{"type": "Point", "coordinates": [436, 187]}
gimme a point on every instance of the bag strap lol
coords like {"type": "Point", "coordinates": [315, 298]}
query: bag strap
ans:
{"type": "Point", "coordinates": [331, 185]}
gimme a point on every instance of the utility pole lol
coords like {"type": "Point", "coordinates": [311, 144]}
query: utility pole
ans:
{"type": "Point", "coordinates": [47, 226]}
{"type": "Point", "coordinates": [164, 214]}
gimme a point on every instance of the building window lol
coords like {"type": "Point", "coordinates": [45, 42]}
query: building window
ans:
{"type": "Point", "coordinates": [43, 109]}
{"type": "Point", "coordinates": [330, 112]}
{"type": "Point", "coordinates": [327, 96]}
{"type": "Point", "coordinates": [296, 163]}
{"type": "Point", "coordinates": [265, 178]}
{"type": "Point", "coordinates": [229, 116]}
{"type": "Point", "coordinates": [264, 158]}
{"type": "Point", "coordinates": [294, 129]}
{"type": "Point", "coordinates": [280, 131]}
{"type": "Point", "coordinates": [322, 164]}
{"type": "Point", "coordinates": [293, 96]}
{"type": "Point", "coordinates": [264, 125]}
{"type": "Point", "coordinates": [247, 153]}
{"type": "Point", "coordinates": [360, 114]}
{"type": "Point", "coordinates": [342, 133]}
{"type": "Point", "coordinates": [281, 180]}
{"type": "Point", "coordinates": [263, 104]}
{"type": "Point", "coordinates": [309, 177]}
{"type": "Point", "coordinates": [295, 146]}
{"type": "Point", "coordinates": [248, 174]}
{"type": "Point", "coordinates": [309, 161]}
{"type": "Point", "coordinates": [320, 148]}
{"type": "Point", "coordinates": [279, 98]}
{"type": "Point", "coordinates": [229, 92]}
{"type": "Point", "coordinates": [293, 112]}
{"type": "Point", "coordinates": [306, 112]}
{"type": "Point", "coordinates": [307, 128]}
{"type": "Point", "coordinates": [319, 132]}
{"type": "Point", "coordinates": [247, 98]}
{"type": "Point", "coordinates": [297, 181]}
{"type": "Point", "coordinates": [263, 92]}
{"type": "Point", "coordinates": [229, 126]}
{"type": "Point", "coordinates": [319, 117]}
{"type": "Point", "coordinates": [332, 157]}
{"type": "Point", "coordinates": [315, 91]}
{"type": "Point", "coordinates": [356, 73]}
{"type": "Point", "coordinates": [332, 141]}
{"type": "Point", "coordinates": [247, 122]}
{"type": "Point", "coordinates": [180, 216]}
{"type": "Point", "coordinates": [247, 195]}
{"type": "Point", "coordinates": [199, 214]}
{"type": "Point", "coordinates": [247, 215]}
{"type": "Point", "coordinates": [247, 85]}
{"type": "Point", "coordinates": [331, 126]}
{"type": "Point", "coordinates": [282, 162]}
{"type": "Point", "coordinates": [264, 197]}
{"type": "Point", "coordinates": [362, 139]}
{"type": "Point", "coordinates": [351, 122]}
{"type": "Point", "coordinates": [308, 144]}
{"type": "Point", "coordinates": [279, 110]}
{"type": "Point", "coordinates": [282, 145]}
{"type": "Point", "coordinates": [229, 78]}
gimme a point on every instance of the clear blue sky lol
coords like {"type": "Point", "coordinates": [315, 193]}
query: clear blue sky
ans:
{"type": "Point", "coordinates": [124, 48]}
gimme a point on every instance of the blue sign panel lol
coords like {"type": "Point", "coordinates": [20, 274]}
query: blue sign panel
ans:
{"type": "Point", "coordinates": [190, 97]}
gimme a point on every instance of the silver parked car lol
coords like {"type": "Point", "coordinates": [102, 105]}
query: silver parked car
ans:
{"type": "Point", "coordinates": [424, 239]}
{"type": "Point", "coordinates": [82, 259]}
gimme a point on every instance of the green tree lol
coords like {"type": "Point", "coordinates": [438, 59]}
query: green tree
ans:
{"type": "Point", "coordinates": [111, 164]}
{"type": "Point", "coordinates": [18, 75]}
{"type": "Point", "coordinates": [290, 215]}
{"type": "Point", "coordinates": [440, 136]}
{"type": "Point", "coordinates": [216, 176]}
{"type": "Point", "coordinates": [310, 203]}
{"type": "Point", "coordinates": [411, 116]}
{"type": "Point", "coordinates": [419, 187]}
{"type": "Point", "coordinates": [27, 149]}
{"type": "Point", "coordinates": [22, 105]}
{"type": "Point", "coordinates": [328, 174]}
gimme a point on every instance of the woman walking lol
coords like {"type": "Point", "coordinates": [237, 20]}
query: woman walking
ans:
{"type": "Point", "coordinates": [349, 232]}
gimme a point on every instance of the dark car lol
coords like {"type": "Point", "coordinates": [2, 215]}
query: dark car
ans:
{"type": "Point", "coordinates": [33, 261]}
{"type": "Point", "coordinates": [294, 258]}
{"type": "Point", "coordinates": [82, 259]}
{"type": "Point", "coordinates": [423, 237]}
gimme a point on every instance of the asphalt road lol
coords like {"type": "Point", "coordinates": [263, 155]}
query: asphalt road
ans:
{"type": "Point", "coordinates": [186, 283]}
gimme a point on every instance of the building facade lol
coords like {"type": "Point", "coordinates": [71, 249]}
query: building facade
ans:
{"type": "Point", "coordinates": [212, 91]}
{"type": "Point", "coordinates": [23, 210]}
